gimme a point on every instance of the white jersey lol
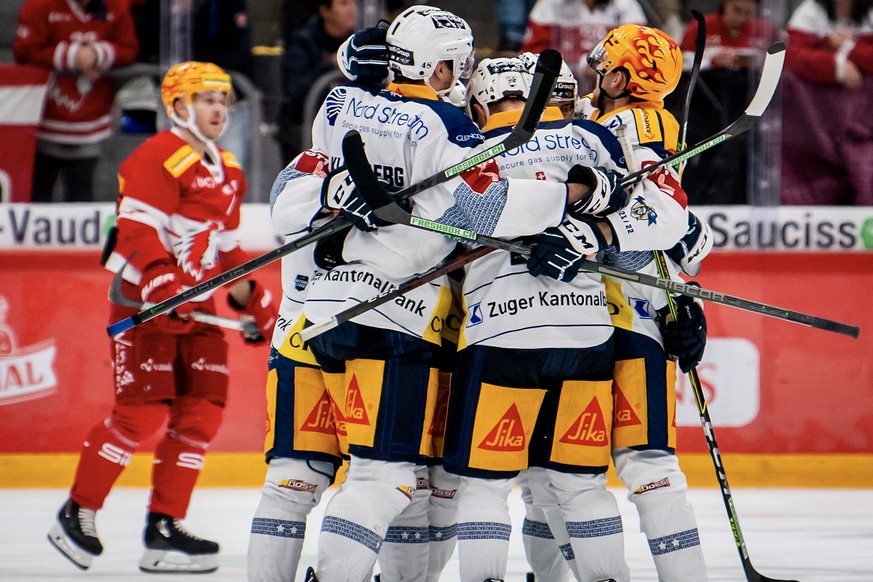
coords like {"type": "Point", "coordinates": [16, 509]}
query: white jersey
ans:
{"type": "Point", "coordinates": [504, 305]}
{"type": "Point", "coordinates": [653, 135]}
{"type": "Point", "coordinates": [410, 135]}
{"type": "Point", "coordinates": [295, 203]}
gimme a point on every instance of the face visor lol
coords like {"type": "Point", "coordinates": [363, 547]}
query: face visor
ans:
{"type": "Point", "coordinates": [597, 59]}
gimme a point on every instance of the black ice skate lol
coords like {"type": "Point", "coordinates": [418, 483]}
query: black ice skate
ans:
{"type": "Point", "coordinates": [75, 535]}
{"type": "Point", "coordinates": [171, 549]}
{"type": "Point", "coordinates": [310, 575]}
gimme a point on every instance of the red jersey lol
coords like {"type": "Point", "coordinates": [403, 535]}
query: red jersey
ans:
{"type": "Point", "coordinates": [50, 33]}
{"type": "Point", "coordinates": [177, 205]}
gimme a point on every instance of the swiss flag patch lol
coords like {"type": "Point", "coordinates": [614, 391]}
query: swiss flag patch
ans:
{"type": "Point", "coordinates": [541, 175]}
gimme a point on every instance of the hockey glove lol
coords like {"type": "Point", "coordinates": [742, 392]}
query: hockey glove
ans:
{"type": "Point", "coordinates": [259, 313]}
{"type": "Point", "coordinates": [159, 282]}
{"type": "Point", "coordinates": [559, 251]}
{"type": "Point", "coordinates": [363, 57]}
{"type": "Point", "coordinates": [338, 192]}
{"type": "Point", "coordinates": [606, 194]}
{"type": "Point", "coordinates": [692, 248]}
{"type": "Point", "coordinates": [685, 337]}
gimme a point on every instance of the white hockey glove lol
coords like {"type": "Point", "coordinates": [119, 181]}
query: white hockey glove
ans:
{"type": "Point", "coordinates": [559, 251]}
{"type": "Point", "coordinates": [606, 194]}
{"type": "Point", "coordinates": [339, 193]}
{"type": "Point", "coordinates": [692, 248]}
{"type": "Point", "coordinates": [363, 57]}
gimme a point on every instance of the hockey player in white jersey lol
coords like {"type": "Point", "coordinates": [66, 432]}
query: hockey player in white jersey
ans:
{"type": "Point", "coordinates": [637, 67]}
{"type": "Point", "coordinates": [388, 353]}
{"type": "Point", "coordinates": [304, 428]}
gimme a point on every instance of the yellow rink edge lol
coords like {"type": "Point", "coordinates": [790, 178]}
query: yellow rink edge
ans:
{"type": "Point", "coordinates": [56, 470]}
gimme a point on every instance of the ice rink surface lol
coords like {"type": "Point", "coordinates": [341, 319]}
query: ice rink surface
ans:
{"type": "Point", "coordinates": [811, 535]}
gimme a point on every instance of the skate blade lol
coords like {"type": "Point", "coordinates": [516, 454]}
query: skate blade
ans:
{"type": "Point", "coordinates": [79, 557]}
{"type": "Point", "coordinates": [169, 562]}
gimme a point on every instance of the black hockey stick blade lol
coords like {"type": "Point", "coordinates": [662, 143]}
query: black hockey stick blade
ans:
{"type": "Point", "coordinates": [545, 76]}
{"type": "Point", "coordinates": [699, 48]}
{"type": "Point", "coordinates": [770, 75]}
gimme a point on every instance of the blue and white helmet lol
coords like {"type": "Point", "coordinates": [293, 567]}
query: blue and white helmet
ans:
{"type": "Point", "coordinates": [422, 36]}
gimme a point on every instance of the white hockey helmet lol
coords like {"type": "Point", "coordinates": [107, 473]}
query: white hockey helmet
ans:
{"type": "Point", "coordinates": [422, 36]}
{"type": "Point", "coordinates": [498, 79]}
{"type": "Point", "coordinates": [566, 88]}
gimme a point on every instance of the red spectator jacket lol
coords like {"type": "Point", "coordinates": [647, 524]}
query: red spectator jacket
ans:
{"type": "Point", "coordinates": [50, 33]}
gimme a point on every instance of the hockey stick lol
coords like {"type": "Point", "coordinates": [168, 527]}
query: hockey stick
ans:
{"type": "Point", "coordinates": [117, 296]}
{"type": "Point", "coordinates": [699, 46]}
{"type": "Point", "coordinates": [388, 210]}
{"type": "Point", "coordinates": [546, 74]}
{"type": "Point", "coordinates": [752, 575]}
{"type": "Point", "coordinates": [770, 75]}
{"type": "Point", "coordinates": [382, 298]}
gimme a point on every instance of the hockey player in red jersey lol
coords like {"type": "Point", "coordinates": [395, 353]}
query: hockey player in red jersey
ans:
{"type": "Point", "coordinates": [178, 218]}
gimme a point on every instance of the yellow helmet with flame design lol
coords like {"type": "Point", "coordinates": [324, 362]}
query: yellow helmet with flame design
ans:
{"type": "Point", "coordinates": [651, 58]}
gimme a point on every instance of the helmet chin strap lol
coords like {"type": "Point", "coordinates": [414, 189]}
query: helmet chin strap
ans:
{"type": "Point", "coordinates": [602, 93]}
{"type": "Point", "coordinates": [191, 125]}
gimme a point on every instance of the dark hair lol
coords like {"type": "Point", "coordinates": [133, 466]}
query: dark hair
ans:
{"type": "Point", "coordinates": [860, 8]}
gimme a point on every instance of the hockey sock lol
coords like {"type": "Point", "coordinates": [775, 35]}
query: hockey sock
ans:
{"type": "Point", "coordinates": [179, 456]}
{"type": "Point", "coordinates": [546, 543]}
{"type": "Point", "coordinates": [594, 525]}
{"type": "Point", "coordinates": [291, 489]}
{"type": "Point", "coordinates": [442, 516]}
{"type": "Point", "coordinates": [404, 552]}
{"type": "Point", "coordinates": [483, 528]}
{"type": "Point", "coordinates": [357, 517]}
{"type": "Point", "coordinates": [657, 487]}
{"type": "Point", "coordinates": [108, 449]}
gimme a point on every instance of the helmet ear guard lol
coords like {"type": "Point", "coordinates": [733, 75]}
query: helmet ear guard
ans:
{"type": "Point", "coordinates": [651, 60]}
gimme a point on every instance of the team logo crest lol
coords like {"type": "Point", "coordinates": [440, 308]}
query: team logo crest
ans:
{"type": "Point", "coordinates": [197, 251]}
{"type": "Point", "coordinates": [642, 211]}
{"type": "Point", "coordinates": [475, 317]}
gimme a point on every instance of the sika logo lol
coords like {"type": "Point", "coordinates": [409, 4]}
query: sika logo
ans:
{"type": "Point", "coordinates": [589, 429]}
{"type": "Point", "coordinates": [507, 435]}
{"type": "Point", "coordinates": [26, 372]}
{"type": "Point", "coordinates": [356, 413]}
{"type": "Point", "coordinates": [319, 419]}
{"type": "Point", "coordinates": [624, 413]}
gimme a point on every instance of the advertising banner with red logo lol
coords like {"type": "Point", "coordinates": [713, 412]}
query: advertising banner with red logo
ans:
{"type": "Point", "coordinates": [773, 387]}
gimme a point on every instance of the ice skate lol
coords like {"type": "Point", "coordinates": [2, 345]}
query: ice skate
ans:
{"type": "Point", "coordinates": [75, 535]}
{"type": "Point", "coordinates": [310, 575]}
{"type": "Point", "coordinates": [171, 549]}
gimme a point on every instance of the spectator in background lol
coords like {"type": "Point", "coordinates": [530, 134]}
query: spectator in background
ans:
{"type": "Point", "coordinates": [512, 18]}
{"type": "Point", "coordinates": [574, 27]}
{"type": "Point", "coordinates": [221, 35]}
{"type": "Point", "coordinates": [736, 42]}
{"type": "Point", "coordinates": [80, 40]}
{"type": "Point", "coordinates": [309, 53]}
{"type": "Point", "coordinates": [827, 158]}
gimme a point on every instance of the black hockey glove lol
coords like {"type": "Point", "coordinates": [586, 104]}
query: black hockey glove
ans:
{"type": "Point", "coordinates": [364, 56]}
{"type": "Point", "coordinates": [684, 338]}
{"type": "Point", "coordinates": [338, 192]}
{"type": "Point", "coordinates": [559, 251]}
{"type": "Point", "coordinates": [606, 193]}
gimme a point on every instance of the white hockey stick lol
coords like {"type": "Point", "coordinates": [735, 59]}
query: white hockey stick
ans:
{"type": "Point", "coordinates": [388, 210]}
{"type": "Point", "coordinates": [546, 74]}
